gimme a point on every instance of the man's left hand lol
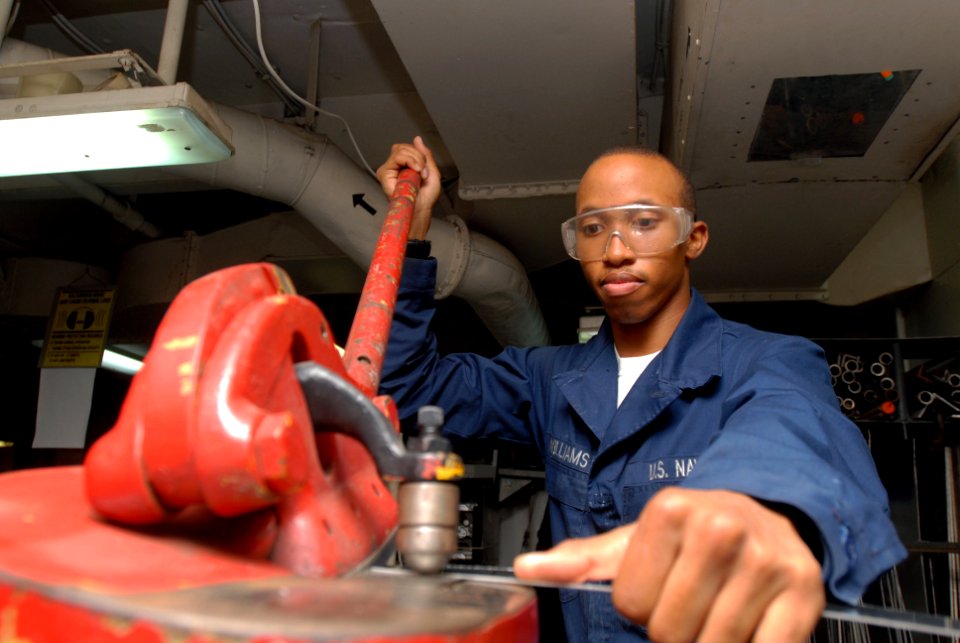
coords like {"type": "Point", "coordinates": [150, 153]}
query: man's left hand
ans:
{"type": "Point", "coordinates": [711, 566]}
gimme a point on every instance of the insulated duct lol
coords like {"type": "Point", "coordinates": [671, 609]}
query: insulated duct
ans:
{"type": "Point", "coordinates": [287, 164]}
{"type": "Point", "coordinates": [290, 165]}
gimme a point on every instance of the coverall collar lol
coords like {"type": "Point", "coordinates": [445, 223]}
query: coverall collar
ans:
{"type": "Point", "coordinates": [689, 360]}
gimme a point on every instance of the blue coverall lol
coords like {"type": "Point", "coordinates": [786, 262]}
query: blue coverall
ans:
{"type": "Point", "coordinates": [723, 406]}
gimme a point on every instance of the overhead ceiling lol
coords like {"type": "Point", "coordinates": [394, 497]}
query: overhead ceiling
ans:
{"type": "Point", "coordinates": [516, 98]}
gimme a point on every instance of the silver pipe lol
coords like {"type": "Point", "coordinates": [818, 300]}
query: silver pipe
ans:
{"type": "Point", "coordinates": [173, 28]}
{"type": "Point", "coordinates": [121, 211]}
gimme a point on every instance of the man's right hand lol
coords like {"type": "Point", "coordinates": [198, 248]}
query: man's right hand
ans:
{"type": "Point", "coordinates": [418, 157]}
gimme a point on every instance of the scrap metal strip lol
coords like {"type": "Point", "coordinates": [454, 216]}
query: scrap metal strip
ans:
{"type": "Point", "coordinates": [894, 619]}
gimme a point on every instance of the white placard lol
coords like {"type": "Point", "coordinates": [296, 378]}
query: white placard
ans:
{"type": "Point", "coordinates": [63, 407]}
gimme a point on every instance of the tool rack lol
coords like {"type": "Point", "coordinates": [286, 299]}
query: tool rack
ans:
{"type": "Point", "coordinates": [912, 382]}
{"type": "Point", "coordinates": [904, 394]}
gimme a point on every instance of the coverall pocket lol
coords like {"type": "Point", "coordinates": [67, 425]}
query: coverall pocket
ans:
{"type": "Point", "coordinates": [568, 497]}
{"type": "Point", "coordinates": [566, 486]}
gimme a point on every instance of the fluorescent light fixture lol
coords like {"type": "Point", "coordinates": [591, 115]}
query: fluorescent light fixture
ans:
{"type": "Point", "coordinates": [114, 361]}
{"type": "Point", "coordinates": [110, 129]}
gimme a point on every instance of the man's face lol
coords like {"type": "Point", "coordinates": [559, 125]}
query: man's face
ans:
{"type": "Point", "coordinates": [633, 289]}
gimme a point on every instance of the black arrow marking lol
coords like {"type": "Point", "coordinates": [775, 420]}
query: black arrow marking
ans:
{"type": "Point", "coordinates": [358, 200]}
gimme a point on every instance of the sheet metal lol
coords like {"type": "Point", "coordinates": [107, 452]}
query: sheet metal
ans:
{"type": "Point", "coordinates": [904, 621]}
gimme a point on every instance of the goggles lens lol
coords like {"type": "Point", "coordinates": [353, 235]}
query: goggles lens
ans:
{"type": "Point", "coordinates": [645, 229]}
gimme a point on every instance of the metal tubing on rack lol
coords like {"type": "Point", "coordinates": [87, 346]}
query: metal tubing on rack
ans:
{"type": "Point", "coordinates": [367, 343]}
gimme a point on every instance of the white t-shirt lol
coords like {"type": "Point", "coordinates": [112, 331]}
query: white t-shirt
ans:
{"type": "Point", "coordinates": [628, 370]}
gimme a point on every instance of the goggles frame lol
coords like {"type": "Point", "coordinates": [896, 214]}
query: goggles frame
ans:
{"type": "Point", "coordinates": [568, 229]}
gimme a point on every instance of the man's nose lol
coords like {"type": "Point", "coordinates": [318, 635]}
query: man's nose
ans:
{"type": "Point", "coordinates": [617, 251]}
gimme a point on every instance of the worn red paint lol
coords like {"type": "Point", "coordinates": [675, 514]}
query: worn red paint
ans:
{"type": "Point", "coordinates": [217, 418]}
{"type": "Point", "coordinates": [371, 327]}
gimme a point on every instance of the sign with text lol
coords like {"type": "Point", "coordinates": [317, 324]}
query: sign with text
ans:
{"type": "Point", "coordinates": [78, 328]}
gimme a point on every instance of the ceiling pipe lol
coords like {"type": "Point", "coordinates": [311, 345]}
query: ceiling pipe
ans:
{"type": "Point", "coordinates": [172, 43]}
{"type": "Point", "coordinates": [121, 211]}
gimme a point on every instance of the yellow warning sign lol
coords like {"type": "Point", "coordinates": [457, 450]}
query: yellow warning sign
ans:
{"type": "Point", "coordinates": [78, 328]}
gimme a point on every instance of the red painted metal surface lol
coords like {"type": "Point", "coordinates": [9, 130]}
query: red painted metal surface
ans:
{"type": "Point", "coordinates": [217, 418]}
{"type": "Point", "coordinates": [33, 617]}
{"type": "Point", "coordinates": [371, 327]}
{"type": "Point", "coordinates": [51, 537]}
{"type": "Point", "coordinates": [41, 616]}
{"type": "Point", "coordinates": [67, 575]}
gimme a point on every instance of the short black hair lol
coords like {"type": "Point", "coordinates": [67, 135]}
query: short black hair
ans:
{"type": "Point", "coordinates": [688, 196]}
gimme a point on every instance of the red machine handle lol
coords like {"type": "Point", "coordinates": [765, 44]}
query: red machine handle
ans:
{"type": "Point", "coordinates": [367, 342]}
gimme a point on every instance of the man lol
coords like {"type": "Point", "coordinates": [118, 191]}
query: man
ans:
{"type": "Point", "coordinates": [715, 481]}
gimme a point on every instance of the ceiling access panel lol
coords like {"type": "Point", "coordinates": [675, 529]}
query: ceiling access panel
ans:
{"type": "Point", "coordinates": [753, 46]}
{"type": "Point", "coordinates": [524, 94]}
{"type": "Point", "coordinates": [732, 59]}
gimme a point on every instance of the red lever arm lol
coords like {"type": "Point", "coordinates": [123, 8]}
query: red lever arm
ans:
{"type": "Point", "coordinates": [371, 326]}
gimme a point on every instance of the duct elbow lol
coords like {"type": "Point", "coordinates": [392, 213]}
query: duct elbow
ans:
{"type": "Point", "coordinates": [496, 286]}
{"type": "Point", "coordinates": [490, 279]}
{"type": "Point", "coordinates": [318, 180]}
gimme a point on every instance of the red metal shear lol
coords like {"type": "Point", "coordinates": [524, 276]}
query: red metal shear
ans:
{"type": "Point", "coordinates": [218, 416]}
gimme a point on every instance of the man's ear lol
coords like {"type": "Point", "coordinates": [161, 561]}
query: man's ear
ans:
{"type": "Point", "coordinates": [697, 241]}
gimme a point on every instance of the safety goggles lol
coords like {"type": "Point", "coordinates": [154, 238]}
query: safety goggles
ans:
{"type": "Point", "coordinates": [645, 229]}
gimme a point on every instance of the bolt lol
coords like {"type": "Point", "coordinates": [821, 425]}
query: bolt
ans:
{"type": "Point", "coordinates": [429, 421]}
{"type": "Point", "coordinates": [430, 418]}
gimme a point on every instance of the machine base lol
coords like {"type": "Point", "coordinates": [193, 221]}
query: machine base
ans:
{"type": "Point", "coordinates": [66, 575]}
